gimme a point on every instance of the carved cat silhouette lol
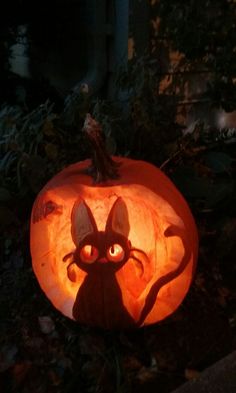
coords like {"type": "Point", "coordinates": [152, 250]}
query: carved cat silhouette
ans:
{"type": "Point", "coordinates": [101, 254]}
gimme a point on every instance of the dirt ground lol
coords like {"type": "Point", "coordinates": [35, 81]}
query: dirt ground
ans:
{"type": "Point", "coordinates": [44, 352]}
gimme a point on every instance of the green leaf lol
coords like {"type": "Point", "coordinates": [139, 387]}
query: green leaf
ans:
{"type": "Point", "coordinates": [218, 162]}
{"type": "Point", "coordinates": [219, 192]}
{"type": "Point", "coordinates": [5, 195]}
{"type": "Point", "coordinates": [191, 185]}
{"type": "Point", "coordinates": [201, 188]}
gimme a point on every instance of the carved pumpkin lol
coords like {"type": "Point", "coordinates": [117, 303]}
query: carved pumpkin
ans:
{"type": "Point", "coordinates": [117, 254]}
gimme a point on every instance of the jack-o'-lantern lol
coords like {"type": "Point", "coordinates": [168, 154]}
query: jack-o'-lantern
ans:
{"type": "Point", "coordinates": [115, 252]}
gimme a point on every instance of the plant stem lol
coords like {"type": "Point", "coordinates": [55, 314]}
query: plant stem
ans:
{"type": "Point", "coordinates": [103, 167]}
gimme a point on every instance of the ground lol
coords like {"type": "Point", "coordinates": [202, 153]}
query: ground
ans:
{"type": "Point", "coordinates": [42, 351]}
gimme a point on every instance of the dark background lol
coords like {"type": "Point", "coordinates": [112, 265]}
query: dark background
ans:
{"type": "Point", "coordinates": [171, 102]}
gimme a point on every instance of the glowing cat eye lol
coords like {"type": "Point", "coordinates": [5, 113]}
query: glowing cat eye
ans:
{"type": "Point", "coordinates": [115, 253]}
{"type": "Point", "coordinates": [89, 253]}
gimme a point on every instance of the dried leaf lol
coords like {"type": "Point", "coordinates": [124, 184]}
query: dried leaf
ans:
{"type": "Point", "coordinates": [132, 363]}
{"type": "Point", "coordinates": [48, 128]}
{"type": "Point", "coordinates": [5, 195]}
{"type": "Point", "coordinates": [46, 324]}
{"type": "Point", "coordinates": [190, 373]}
{"type": "Point", "coordinates": [145, 374]}
{"type": "Point", "coordinates": [223, 295]}
{"type": "Point", "coordinates": [51, 151]}
{"type": "Point", "coordinates": [7, 356]}
{"type": "Point", "coordinates": [218, 162]}
{"type": "Point", "coordinates": [91, 345]}
{"type": "Point", "coordinates": [55, 377]}
{"type": "Point", "coordinates": [7, 218]}
{"type": "Point", "coordinates": [200, 282]}
{"type": "Point", "coordinates": [34, 168]}
{"type": "Point", "coordinates": [20, 371]}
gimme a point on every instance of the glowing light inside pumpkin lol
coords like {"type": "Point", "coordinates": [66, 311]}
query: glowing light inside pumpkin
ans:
{"type": "Point", "coordinates": [162, 234]}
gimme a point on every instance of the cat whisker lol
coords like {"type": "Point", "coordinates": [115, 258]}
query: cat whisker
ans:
{"type": "Point", "coordinates": [138, 263]}
{"type": "Point", "coordinates": [141, 252]}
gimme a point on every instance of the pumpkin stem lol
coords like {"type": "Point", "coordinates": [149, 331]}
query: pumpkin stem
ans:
{"type": "Point", "coordinates": [103, 167]}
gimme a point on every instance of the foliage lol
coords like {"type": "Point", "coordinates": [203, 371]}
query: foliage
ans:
{"type": "Point", "coordinates": [33, 147]}
{"type": "Point", "coordinates": [40, 350]}
{"type": "Point", "coordinates": [204, 32]}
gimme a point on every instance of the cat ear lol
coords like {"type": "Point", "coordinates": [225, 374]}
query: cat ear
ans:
{"type": "Point", "coordinates": [82, 222]}
{"type": "Point", "coordinates": [118, 219]}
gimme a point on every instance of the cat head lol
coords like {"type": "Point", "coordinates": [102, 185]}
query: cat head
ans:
{"type": "Point", "coordinates": [111, 247]}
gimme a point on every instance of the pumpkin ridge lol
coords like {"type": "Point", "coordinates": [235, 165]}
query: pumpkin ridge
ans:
{"type": "Point", "coordinates": [161, 225]}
